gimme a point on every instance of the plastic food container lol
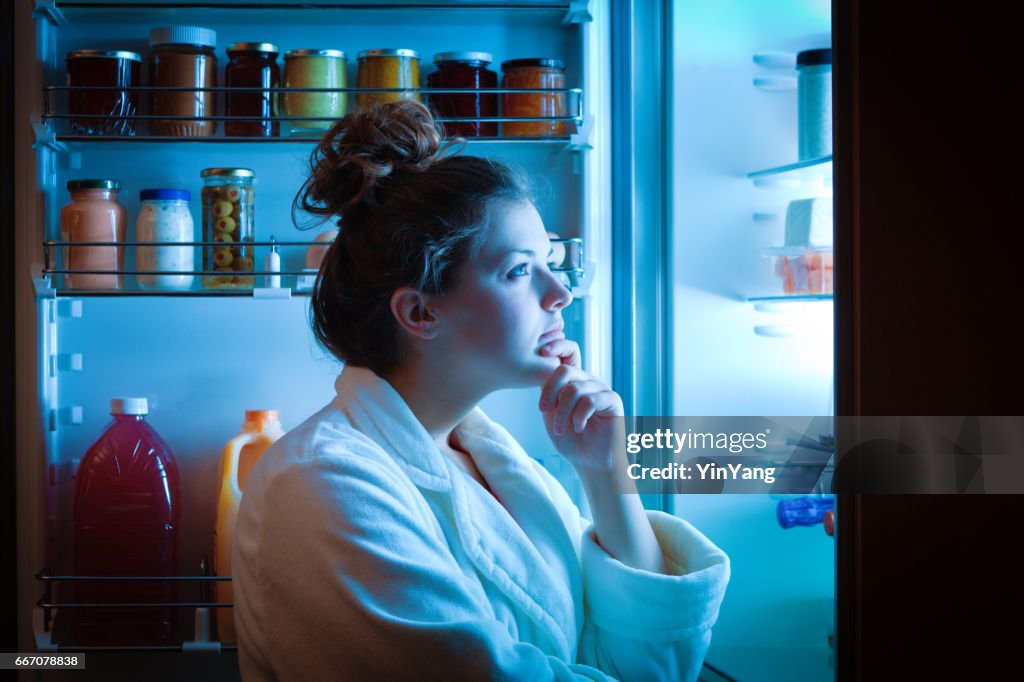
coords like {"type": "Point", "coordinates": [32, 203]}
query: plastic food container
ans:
{"type": "Point", "coordinates": [805, 272]}
{"type": "Point", "coordinates": [183, 57]}
{"type": "Point", "coordinates": [465, 70]}
{"type": "Point", "coordinates": [252, 65]}
{"type": "Point", "coordinates": [165, 219]}
{"type": "Point", "coordinates": [548, 74]}
{"type": "Point", "coordinates": [390, 68]}
{"type": "Point", "coordinates": [110, 111]}
{"type": "Point", "coordinates": [314, 69]}
{"type": "Point", "coordinates": [229, 203]}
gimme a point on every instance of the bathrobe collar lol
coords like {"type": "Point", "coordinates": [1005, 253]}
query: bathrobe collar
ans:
{"type": "Point", "coordinates": [530, 571]}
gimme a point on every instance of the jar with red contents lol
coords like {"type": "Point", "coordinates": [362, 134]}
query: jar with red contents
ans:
{"type": "Point", "coordinates": [252, 65]}
{"type": "Point", "coordinates": [535, 74]}
{"type": "Point", "coordinates": [465, 70]}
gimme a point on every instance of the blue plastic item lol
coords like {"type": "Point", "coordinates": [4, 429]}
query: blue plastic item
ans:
{"type": "Point", "coordinates": [805, 511]}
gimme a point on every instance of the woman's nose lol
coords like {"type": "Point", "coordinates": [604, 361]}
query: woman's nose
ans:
{"type": "Point", "coordinates": [557, 295]}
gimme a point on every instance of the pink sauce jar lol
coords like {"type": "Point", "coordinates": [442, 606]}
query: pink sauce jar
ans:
{"type": "Point", "coordinates": [93, 215]}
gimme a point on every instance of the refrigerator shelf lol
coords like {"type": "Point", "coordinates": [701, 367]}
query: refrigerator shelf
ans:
{"type": "Point", "coordinates": [794, 298]}
{"type": "Point", "coordinates": [807, 173]}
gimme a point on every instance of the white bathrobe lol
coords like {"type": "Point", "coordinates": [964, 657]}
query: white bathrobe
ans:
{"type": "Point", "coordinates": [362, 553]}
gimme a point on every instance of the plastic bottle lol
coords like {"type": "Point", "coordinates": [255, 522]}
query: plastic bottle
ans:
{"type": "Point", "coordinates": [259, 431]}
{"type": "Point", "coordinates": [273, 264]}
{"type": "Point", "coordinates": [804, 511]}
{"type": "Point", "coordinates": [126, 519]}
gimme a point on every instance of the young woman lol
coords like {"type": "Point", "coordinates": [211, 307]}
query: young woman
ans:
{"type": "Point", "coordinates": [399, 533]}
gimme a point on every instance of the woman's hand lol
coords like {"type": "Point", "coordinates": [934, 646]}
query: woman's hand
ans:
{"type": "Point", "coordinates": [583, 415]}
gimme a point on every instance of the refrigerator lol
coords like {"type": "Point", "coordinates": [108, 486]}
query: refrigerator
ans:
{"type": "Point", "coordinates": [672, 192]}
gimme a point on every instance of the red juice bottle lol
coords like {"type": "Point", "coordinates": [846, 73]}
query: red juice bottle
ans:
{"type": "Point", "coordinates": [126, 519]}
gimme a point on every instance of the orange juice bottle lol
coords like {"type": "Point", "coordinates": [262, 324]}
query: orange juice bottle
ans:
{"type": "Point", "coordinates": [259, 431]}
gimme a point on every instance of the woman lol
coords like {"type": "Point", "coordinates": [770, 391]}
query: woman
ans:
{"type": "Point", "coordinates": [401, 534]}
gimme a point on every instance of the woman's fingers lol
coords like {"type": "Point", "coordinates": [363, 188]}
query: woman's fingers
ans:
{"type": "Point", "coordinates": [558, 379]}
{"type": "Point", "coordinates": [582, 395]}
{"type": "Point", "coordinates": [566, 350]}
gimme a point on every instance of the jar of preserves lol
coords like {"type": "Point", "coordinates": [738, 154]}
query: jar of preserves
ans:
{"type": "Point", "coordinates": [93, 215]}
{"type": "Point", "coordinates": [387, 69]}
{"type": "Point", "coordinates": [314, 69]}
{"type": "Point", "coordinates": [547, 74]}
{"type": "Point", "coordinates": [814, 103]}
{"type": "Point", "coordinates": [165, 219]}
{"type": "Point", "coordinates": [183, 57]}
{"type": "Point", "coordinates": [110, 111]}
{"type": "Point", "coordinates": [465, 70]}
{"type": "Point", "coordinates": [229, 202]}
{"type": "Point", "coordinates": [252, 65]}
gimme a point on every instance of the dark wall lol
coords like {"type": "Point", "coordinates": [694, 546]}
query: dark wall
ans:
{"type": "Point", "coordinates": [928, 142]}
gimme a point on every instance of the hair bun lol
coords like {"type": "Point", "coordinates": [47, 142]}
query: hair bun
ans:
{"type": "Point", "coordinates": [365, 148]}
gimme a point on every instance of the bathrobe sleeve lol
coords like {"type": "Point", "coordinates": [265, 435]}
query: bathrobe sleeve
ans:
{"type": "Point", "coordinates": [360, 584]}
{"type": "Point", "coordinates": [640, 625]}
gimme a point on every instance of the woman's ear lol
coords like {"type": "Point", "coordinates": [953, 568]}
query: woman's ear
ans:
{"type": "Point", "coordinates": [412, 310]}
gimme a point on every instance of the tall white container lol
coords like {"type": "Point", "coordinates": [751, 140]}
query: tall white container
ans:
{"type": "Point", "coordinates": [814, 93]}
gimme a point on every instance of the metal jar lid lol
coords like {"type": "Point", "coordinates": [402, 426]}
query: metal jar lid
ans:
{"type": "Point", "coordinates": [105, 54]}
{"type": "Point", "coordinates": [389, 53]}
{"type": "Point", "coordinates": [183, 35]}
{"type": "Point", "coordinates": [94, 184]}
{"type": "Point", "coordinates": [227, 173]}
{"type": "Point", "coordinates": [533, 61]}
{"type": "Point", "coordinates": [253, 47]}
{"type": "Point", "coordinates": [314, 53]}
{"type": "Point", "coordinates": [814, 57]}
{"type": "Point", "coordinates": [485, 57]}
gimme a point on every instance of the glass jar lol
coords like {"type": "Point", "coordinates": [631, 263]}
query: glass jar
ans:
{"type": "Point", "coordinates": [110, 111]}
{"type": "Point", "coordinates": [229, 201]}
{"type": "Point", "coordinates": [814, 103]}
{"type": "Point", "coordinates": [93, 215]}
{"type": "Point", "coordinates": [164, 218]}
{"type": "Point", "coordinates": [252, 65]}
{"type": "Point", "coordinates": [183, 57]}
{"type": "Point", "coordinates": [387, 69]}
{"type": "Point", "coordinates": [547, 74]}
{"type": "Point", "coordinates": [465, 70]}
{"type": "Point", "coordinates": [314, 69]}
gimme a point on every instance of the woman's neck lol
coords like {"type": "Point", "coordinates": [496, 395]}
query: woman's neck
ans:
{"type": "Point", "coordinates": [439, 402]}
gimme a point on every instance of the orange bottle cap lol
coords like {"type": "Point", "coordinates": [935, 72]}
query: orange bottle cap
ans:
{"type": "Point", "coordinates": [261, 416]}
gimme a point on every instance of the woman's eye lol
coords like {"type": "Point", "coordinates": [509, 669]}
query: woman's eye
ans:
{"type": "Point", "coordinates": [521, 270]}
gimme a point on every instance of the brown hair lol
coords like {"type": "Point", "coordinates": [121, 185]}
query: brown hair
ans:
{"type": "Point", "coordinates": [410, 215]}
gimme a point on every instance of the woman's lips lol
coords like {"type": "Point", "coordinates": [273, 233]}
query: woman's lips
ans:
{"type": "Point", "coordinates": [556, 332]}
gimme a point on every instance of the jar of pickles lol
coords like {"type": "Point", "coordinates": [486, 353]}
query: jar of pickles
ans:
{"type": "Point", "coordinates": [465, 71]}
{"type": "Point", "coordinates": [228, 206]}
{"type": "Point", "coordinates": [252, 65]}
{"type": "Point", "coordinates": [546, 74]}
{"type": "Point", "coordinates": [314, 69]}
{"type": "Point", "coordinates": [110, 110]}
{"type": "Point", "coordinates": [387, 69]}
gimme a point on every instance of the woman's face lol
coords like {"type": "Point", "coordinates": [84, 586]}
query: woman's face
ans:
{"type": "Point", "coordinates": [506, 304]}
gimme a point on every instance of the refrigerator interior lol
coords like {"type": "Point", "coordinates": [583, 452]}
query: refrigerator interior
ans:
{"type": "Point", "coordinates": [743, 347]}
{"type": "Point", "coordinates": [203, 359]}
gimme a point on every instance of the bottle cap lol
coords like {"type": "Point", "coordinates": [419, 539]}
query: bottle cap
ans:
{"type": "Point", "coordinates": [544, 62]}
{"type": "Point", "coordinates": [129, 406]}
{"type": "Point", "coordinates": [814, 57]}
{"type": "Point", "coordinates": [183, 35]}
{"type": "Point", "coordinates": [93, 184]}
{"type": "Point", "coordinates": [261, 416]}
{"type": "Point", "coordinates": [485, 57]}
{"type": "Point", "coordinates": [314, 53]}
{"type": "Point", "coordinates": [254, 47]}
{"type": "Point", "coordinates": [390, 52]}
{"type": "Point", "coordinates": [165, 195]}
{"type": "Point", "coordinates": [227, 172]}
{"type": "Point", "coordinates": [105, 54]}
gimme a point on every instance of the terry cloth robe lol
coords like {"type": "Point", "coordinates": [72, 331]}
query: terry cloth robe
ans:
{"type": "Point", "coordinates": [363, 553]}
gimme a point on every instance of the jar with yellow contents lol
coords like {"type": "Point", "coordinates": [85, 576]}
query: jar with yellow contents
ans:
{"type": "Point", "coordinates": [390, 68]}
{"type": "Point", "coordinates": [229, 203]}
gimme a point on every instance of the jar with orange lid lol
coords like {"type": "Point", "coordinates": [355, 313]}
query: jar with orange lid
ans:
{"type": "Point", "coordinates": [546, 74]}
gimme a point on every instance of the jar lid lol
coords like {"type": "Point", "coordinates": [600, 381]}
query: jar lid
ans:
{"type": "Point", "coordinates": [389, 53]}
{"type": "Point", "coordinates": [94, 184]}
{"type": "Point", "coordinates": [165, 195]}
{"type": "Point", "coordinates": [814, 57]}
{"type": "Point", "coordinates": [129, 406]}
{"type": "Point", "coordinates": [227, 172]}
{"type": "Point", "coordinates": [107, 54]}
{"type": "Point", "coordinates": [485, 57]}
{"type": "Point", "coordinates": [314, 53]}
{"type": "Point", "coordinates": [183, 35]}
{"type": "Point", "coordinates": [253, 47]}
{"type": "Point", "coordinates": [534, 61]}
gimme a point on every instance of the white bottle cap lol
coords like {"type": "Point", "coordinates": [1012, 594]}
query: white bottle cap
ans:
{"type": "Point", "coordinates": [129, 406]}
{"type": "Point", "coordinates": [183, 35]}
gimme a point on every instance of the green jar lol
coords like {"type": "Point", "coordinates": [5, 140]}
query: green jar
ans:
{"type": "Point", "coordinates": [314, 69]}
